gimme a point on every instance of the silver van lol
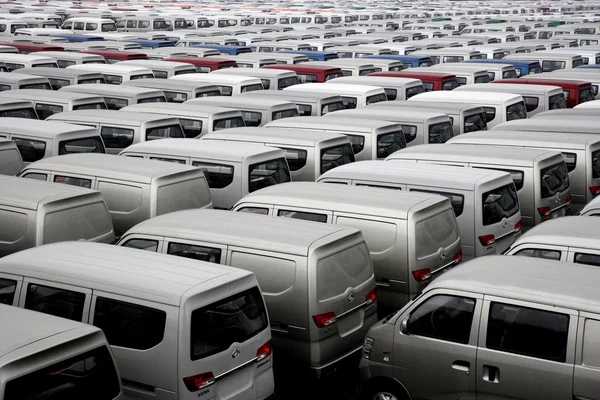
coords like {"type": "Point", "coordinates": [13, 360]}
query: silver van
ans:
{"type": "Point", "coordinates": [19, 109]}
{"type": "Point", "coordinates": [272, 79]}
{"type": "Point", "coordinates": [412, 237]}
{"type": "Point", "coordinates": [11, 162]}
{"type": "Point", "coordinates": [487, 330]}
{"type": "Point", "coordinates": [308, 154]}
{"type": "Point", "coordinates": [579, 124]}
{"type": "Point", "coordinates": [395, 88]}
{"type": "Point", "coordinates": [592, 208]}
{"type": "Point", "coordinates": [38, 139]}
{"type": "Point", "coordinates": [315, 104]}
{"type": "Point", "coordinates": [134, 190]}
{"type": "Point", "coordinates": [232, 170]}
{"type": "Point", "coordinates": [67, 58]}
{"type": "Point", "coordinates": [117, 96]}
{"type": "Point", "coordinates": [176, 91]}
{"type": "Point", "coordinates": [39, 355]}
{"type": "Point", "coordinates": [580, 151]}
{"type": "Point", "coordinates": [485, 202]}
{"type": "Point", "coordinates": [33, 213]}
{"type": "Point", "coordinates": [180, 319]}
{"type": "Point", "coordinates": [541, 176]}
{"type": "Point", "coordinates": [371, 139]}
{"type": "Point", "coordinates": [59, 77]}
{"type": "Point", "coordinates": [14, 80]}
{"type": "Point", "coordinates": [49, 102]}
{"type": "Point", "coordinates": [317, 279]}
{"type": "Point", "coordinates": [121, 129]}
{"type": "Point", "coordinates": [162, 69]}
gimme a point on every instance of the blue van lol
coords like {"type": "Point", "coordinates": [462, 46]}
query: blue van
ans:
{"type": "Point", "coordinates": [407, 61]}
{"type": "Point", "coordinates": [523, 67]}
{"type": "Point", "coordinates": [224, 49]}
{"type": "Point", "coordinates": [150, 44]}
{"type": "Point", "coordinates": [75, 38]}
{"type": "Point", "coordinates": [595, 66]}
{"type": "Point", "coordinates": [313, 55]}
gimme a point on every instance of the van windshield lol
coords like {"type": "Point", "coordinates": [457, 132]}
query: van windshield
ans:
{"type": "Point", "coordinates": [92, 144]}
{"type": "Point", "coordinates": [438, 231]}
{"type": "Point", "coordinates": [555, 179]}
{"type": "Point", "coordinates": [335, 156]}
{"type": "Point", "coordinates": [91, 375]}
{"type": "Point", "coordinates": [235, 319]}
{"type": "Point", "coordinates": [389, 143]}
{"type": "Point", "coordinates": [556, 102]}
{"type": "Point", "coordinates": [475, 122]}
{"type": "Point", "coordinates": [516, 111]}
{"type": "Point", "coordinates": [264, 174]}
{"type": "Point", "coordinates": [440, 133]}
{"type": "Point", "coordinates": [500, 203]}
{"type": "Point", "coordinates": [348, 268]}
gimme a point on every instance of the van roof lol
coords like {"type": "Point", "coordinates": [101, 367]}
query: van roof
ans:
{"type": "Point", "coordinates": [70, 55]}
{"type": "Point", "coordinates": [391, 114]}
{"type": "Point", "coordinates": [514, 88]}
{"type": "Point", "coordinates": [528, 279]}
{"type": "Point", "coordinates": [125, 168]}
{"type": "Point", "coordinates": [338, 88]}
{"type": "Point", "coordinates": [496, 155]}
{"type": "Point", "coordinates": [438, 106]}
{"type": "Point", "coordinates": [41, 128]}
{"type": "Point", "coordinates": [440, 176]}
{"type": "Point", "coordinates": [120, 270]}
{"type": "Point", "coordinates": [333, 123]}
{"type": "Point", "coordinates": [239, 101]}
{"type": "Point", "coordinates": [274, 135]}
{"type": "Point", "coordinates": [182, 109]}
{"type": "Point", "coordinates": [557, 140]}
{"type": "Point", "coordinates": [256, 72]}
{"type": "Point", "coordinates": [218, 78]}
{"type": "Point", "coordinates": [8, 104]}
{"type": "Point", "coordinates": [157, 64]}
{"type": "Point", "coordinates": [364, 200]}
{"type": "Point", "coordinates": [31, 194]}
{"type": "Point", "coordinates": [60, 72]}
{"type": "Point", "coordinates": [290, 236]}
{"type": "Point", "coordinates": [11, 57]}
{"type": "Point", "coordinates": [289, 94]}
{"type": "Point", "coordinates": [376, 80]}
{"type": "Point", "coordinates": [111, 116]}
{"type": "Point", "coordinates": [111, 68]}
{"type": "Point", "coordinates": [49, 95]}
{"type": "Point", "coordinates": [466, 96]}
{"type": "Point", "coordinates": [14, 77]}
{"type": "Point", "coordinates": [104, 89]}
{"type": "Point", "coordinates": [576, 231]}
{"type": "Point", "coordinates": [574, 125]}
{"type": "Point", "coordinates": [168, 84]}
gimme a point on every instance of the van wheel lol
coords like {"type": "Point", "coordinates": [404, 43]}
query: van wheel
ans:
{"type": "Point", "coordinates": [384, 392]}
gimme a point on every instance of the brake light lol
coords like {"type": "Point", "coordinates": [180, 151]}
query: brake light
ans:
{"type": "Point", "coordinates": [264, 351]}
{"type": "Point", "coordinates": [595, 190]}
{"type": "Point", "coordinates": [569, 200]}
{"type": "Point", "coordinates": [458, 257]}
{"type": "Point", "coordinates": [519, 226]}
{"type": "Point", "coordinates": [487, 240]}
{"type": "Point", "coordinates": [371, 297]}
{"type": "Point", "coordinates": [197, 382]}
{"type": "Point", "coordinates": [421, 274]}
{"type": "Point", "coordinates": [544, 211]}
{"type": "Point", "coordinates": [323, 320]}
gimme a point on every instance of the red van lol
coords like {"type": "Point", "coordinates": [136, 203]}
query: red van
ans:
{"type": "Point", "coordinates": [431, 80]}
{"type": "Point", "coordinates": [576, 92]}
{"type": "Point", "coordinates": [28, 47]}
{"type": "Point", "coordinates": [205, 64]}
{"type": "Point", "coordinates": [112, 56]}
{"type": "Point", "coordinates": [310, 73]}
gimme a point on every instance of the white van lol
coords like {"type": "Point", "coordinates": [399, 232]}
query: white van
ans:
{"type": "Point", "coordinates": [16, 80]}
{"type": "Point", "coordinates": [229, 84]}
{"type": "Point", "coordinates": [395, 88]}
{"type": "Point", "coordinates": [591, 209]}
{"type": "Point", "coordinates": [353, 95]}
{"type": "Point", "coordinates": [485, 202]}
{"type": "Point", "coordinates": [60, 77]}
{"type": "Point", "coordinates": [35, 345]}
{"type": "Point", "coordinates": [49, 102]}
{"type": "Point", "coordinates": [162, 69]}
{"type": "Point", "coordinates": [11, 162]}
{"type": "Point", "coordinates": [499, 107]}
{"type": "Point", "coordinates": [176, 91]}
{"type": "Point", "coordinates": [464, 76]}
{"type": "Point", "coordinates": [181, 318]}
{"type": "Point", "coordinates": [272, 79]}
{"type": "Point", "coordinates": [67, 58]}
{"type": "Point", "coordinates": [117, 96]}
{"type": "Point", "coordinates": [114, 73]}
{"type": "Point", "coordinates": [316, 104]}
{"type": "Point", "coordinates": [17, 61]}
{"type": "Point", "coordinates": [349, 66]}
{"type": "Point", "coordinates": [549, 60]}
{"type": "Point", "coordinates": [449, 55]}
{"type": "Point", "coordinates": [89, 25]}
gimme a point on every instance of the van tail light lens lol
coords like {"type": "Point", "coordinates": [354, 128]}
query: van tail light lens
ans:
{"type": "Point", "coordinates": [421, 274]}
{"type": "Point", "coordinates": [323, 320]}
{"type": "Point", "coordinates": [519, 226]}
{"type": "Point", "coordinates": [458, 257]}
{"type": "Point", "coordinates": [371, 297]}
{"type": "Point", "coordinates": [487, 240]}
{"type": "Point", "coordinates": [197, 382]}
{"type": "Point", "coordinates": [264, 351]}
{"type": "Point", "coordinates": [595, 190]}
{"type": "Point", "coordinates": [569, 200]}
{"type": "Point", "coordinates": [544, 211]}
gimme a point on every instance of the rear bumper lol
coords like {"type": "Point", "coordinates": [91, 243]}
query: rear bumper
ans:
{"type": "Point", "coordinates": [322, 370]}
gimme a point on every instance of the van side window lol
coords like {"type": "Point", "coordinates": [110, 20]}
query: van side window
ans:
{"type": "Point", "coordinates": [252, 118]}
{"type": "Point", "coordinates": [591, 352]}
{"type": "Point", "coordinates": [374, 186]}
{"type": "Point", "coordinates": [31, 150]}
{"type": "Point", "coordinates": [296, 158]}
{"type": "Point", "coordinates": [113, 103]}
{"type": "Point", "coordinates": [39, 177]}
{"type": "Point", "coordinates": [570, 160]}
{"type": "Point", "coordinates": [254, 210]}
{"type": "Point", "coordinates": [202, 253]}
{"type": "Point", "coordinates": [116, 138]}
{"type": "Point", "coordinates": [7, 291]}
{"type": "Point", "coordinates": [589, 259]}
{"type": "Point", "coordinates": [457, 200]}
{"type": "Point", "coordinates": [528, 332]}
{"type": "Point", "coordinates": [84, 183]}
{"type": "Point", "coordinates": [540, 253]}
{"type": "Point", "coordinates": [131, 24]}
{"type": "Point", "coordinates": [410, 132]}
{"type": "Point", "coordinates": [218, 176]}
{"type": "Point", "coordinates": [54, 301]}
{"type": "Point", "coordinates": [142, 244]}
{"type": "Point", "coordinates": [443, 317]}
{"type": "Point", "coordinates": [129, 325]}
{"type": "Point", "coordinates": [303, 215]}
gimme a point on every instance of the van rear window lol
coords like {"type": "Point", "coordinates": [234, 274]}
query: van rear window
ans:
{"type": "Point", "coordinates": [252, 88]}
{"type": "Point", "coordinates": [91, 106]}
{"type": "Point", "coordinates": [586, 94]}
{"type": "Point", "coordinates": [348, 268]}
{"type": "Point", "coordinates": [162, 132]}
{"type": "Point", "coordinates": [549, 65]}
{"type": "Point", "coordinates": [115, 137]}
{"type": "Point", "coordinates": [235, 319]}
{"type": "Point", "coordinates": [500, 203]}
{"type": "Point", "coordinates": [449, 84]}
{"type": "Point", "coordinates": [292, 112]}
{"type": "Point", "coordinates": [440, 133]}
{"type": "Point", "coordinates": [337, 155]}
{"type": "Point", "coordinates": [46, 110]}
{"type": "Point", "coordinates": [482, 79]}
{"type": "Point", "coordinates": [554, 179]}
{"type": "Point", "coordinates": [88, 221]}
{"type": "Point", "coordinates": [438, 231]}
{"type": "Point", "coordinates": [31, 150]}
{"type": "Point", "coordinates": [251, 118]}
{"type": "Point", "coordinates": [157, 99]}
{"type": "Point", "coordinates": [376, 98]}
{"type": "Point", "coordinates": [475, 122]}
{"type": "Point", "coordinates": [264, 174]}
{"type": "Point", "coordinates": [226, 123]}
{"type": "Point", "coordinates": [296, 158]}
{"type": "Point", "coordinates": [286, 82]}
{"type": "Point", "coordinates": [596, 164]}
{"type": "Point", "coordinates": [557, 102]}
{"type": "Point", "coordinates": [91, 375]}
{"type": "Point", "coordinates": [218, 176]}
{"type": "Point", "coordinates": [91, 144]}
{"type": "Point", "coordinates": [389, 143]}
{"type": "Point", "coordinates": [55, 83]}
{"type": "Point", "coordinates": [19, 113]}
{"type": "Point", "coordinates": [177, 97]}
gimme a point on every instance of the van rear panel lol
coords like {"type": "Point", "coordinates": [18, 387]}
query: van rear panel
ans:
{"type": "Point", "coordinates": [174, 195]}
{"type": "Point", "coordinates": [86, 221]}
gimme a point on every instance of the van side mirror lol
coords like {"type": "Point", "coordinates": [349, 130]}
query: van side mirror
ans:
{"type": "Point", "coordinates": [404, 326]}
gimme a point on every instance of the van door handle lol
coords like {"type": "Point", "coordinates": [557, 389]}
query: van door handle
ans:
{"type": "Point", "coordinates": [463, 366]}
{"type": "Point", "coordinates": [491, 374]}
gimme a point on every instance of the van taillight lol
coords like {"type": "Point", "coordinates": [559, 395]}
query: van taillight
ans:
{"type": "Point", "coordinates": [595, 190]}
{"type": "Point", "coordinates": [458, 257]}
{"type": "Point", "coordinates": [323, 320]}
{"type": "Point", "coordinates": [264, 351]}
{"type": "Point", "coordinates": [569, 200]}
{"type": "Point", "coordinates": [371, 297]}
{"type": "Point", "coordinates": [421, 274]}
{"type": "Point", "coordinates": [544, 211]}
{"type": "Point", "coordinates": [197, 382]}
{"type": "Point", "coordinates": [487, 240]}
{"type": "Point", "coordinates": [519, 226]}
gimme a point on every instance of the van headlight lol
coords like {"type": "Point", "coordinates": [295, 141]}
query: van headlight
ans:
{"type": "Point", "coordinates": [367, 347]}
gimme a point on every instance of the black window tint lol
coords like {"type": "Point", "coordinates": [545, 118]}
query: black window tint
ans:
{"type": "Point", "coordinates": [129, 325]}
{"type": "Point", "coordinates": [331, 107]}
{"type": "Point", "coordinates": [462, 81]}
{"type": "Point", "coordinates": [516, 111]}
{"type": "Point", "coordinates": [178, 97]}
{"type": "Point", "coordinates": [376, 98]}
{"type": "Point", "coordinates": [293, 112]}
{"type": "Point", "coordinates": [557, 102]}
{"type": "Point", "coordinates": [201, 253]}
{"type": "Point", "coordinates": [252, 88]}
{"type": "Point", "coordinates": [82, 145]}
{"type": "Point", "coordinates": [91, 106]}
{"type": "Point", "coordinates": [232, 320]}
{"type": "Point", "coordinates": [80, 182]}
{"type": "Point", "coordinates": [413, 91]}
{"type": "Point", "coordinates": [457, 200]}
{"type": "Point", "coordinates": [540, 253]}
{"type": "Point", "coordinates": [39, 177]}
{"type": "Point", "coordinates": [410, 132]}
{"type": "Point", "coordinates": [268, 173]}
{"type": "Point", "coordinates": [349, 102]}
{"type": "Point", "coordinates": [475, 122]}
{"type": "Point", "coordinates": [116, 138]}
{"type": "Point", "coordinates": [308, 216]}
{"type": "Point", "coordinates": [91, 375]}
{"type": "Point", "coordinates": [161, 132]}
{"type": "Point", "coordinates": [191, 127]}
{"type": "Point", "coordinates": [31, 150]}
{"type": "Point", "coordinates": [172, 160]}
{"type": "Point", "coordinates": [142, 244]}
{"type": "Point", "coordinates": [490, 113]}
{"type": "Point", "coordinates": [528, 331]}
{"type": "Point", "coordinates": [114, 103]}
{"type": "Point", "coordinates": [7, 291]}
{"type": "Point", "coordinates": [54, 301]}
{"type": "Point", "coordinates": [549, 66]}
{"type": "Point", "coordinates": [554, 179]}
{"type": "Point", "coordinates": [306, 110]}
{"type": "Point", "coordinates": [296, 158]}
{"type": "Point", "coordinates": [389, 143]}
{"type": "Point", "coordinates": [234, 122]}
{"type": "Point", "coordinates": [308, 78]}
{"type": "Point", "coordinates": [56, 83]}
{"type": "Point", "coordinates": [499, 203]}
{"type": "Point", "coordinates": [157, 99]}
{"type": "Point", "coordinates": [482, 79]}
{"type": "Point", "coordinates": [338, 155]}
{"type": "Point", "coordinates": [252, 118]}
{"type": "Point", "coordinates": [586, 94]}
{"type": "Point", "coordinates": [4, 88]}
{"type": "Point", "coordinates": [46, 110]}
{"type": "Point", "coordinates": [443, 317]}
{"type": "Point", "coordinates": [286, 82]}
{"type": "Point", "coordinates": [218, 176]}
{"type": "Point", "coordinates": [596, 164]}
{"type": "Point", "coordinates": [580, 258]}
{"type": "Point", "coordinates": [440, 133]}
{"type": "Point", "coordinates": [113, 79]}
{"type": "Point", "coordinates": [570, 160]}
{"type": "Point", "coordinates": [254, 210]}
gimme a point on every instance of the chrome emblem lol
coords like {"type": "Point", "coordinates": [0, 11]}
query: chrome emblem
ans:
{"type": "Point", "coordinates": [505, 224]}
{"type": "Point", "coordinates": [351, 297]}
{"type": "Point", "coordinates": [443, 255]}
{"type": "Point", "coordinates": [235, 353]}
{"type": "Point", "coordinates": [558, 197]}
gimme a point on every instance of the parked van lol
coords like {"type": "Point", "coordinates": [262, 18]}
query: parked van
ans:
{"type": "Point", "coordinates": [575, 91]}
{"type": "Point", "coordinates": [541, 176]}
{"type": "Point", "coordinates": [162, 69]}
{"type": "Point", "coordinates": [48, 102]}
{"type": "Point", "coordinates": [522, 67]}
{"type": "Point", "coordinates": [115, 74]}
{"type": "Point", "coordinates": [67, 58]}
{"type": "Point", "coordinates": [359, 51]}
{"type": "Point", "coordinates": [349, 66]}
{"type": "Point", "coordinates": [537, 98]}
{"type": "Point", "coordinates": [484, 201]}
{"type": "Point", "coordinates": [316, 104]}
{"type": "Point", "coordinates": [406, 60]}
{"type": "Point", "coordinates": [117, 96]}
{"type": "Point", "coordinates": [35, 345]}
{"type": "Point", "coordinates": [370, 139]}
{"type": "Point", "coordinates": [134, 190]}
{"type": "Point", "coordinates": [464, 76]}
{"type": "Point", "coordinates": [310, 73]}
{"type": "Point", "coordinates": [249, 60]}
{"type": "Point", "coordinates": [580, 151]}
{"type": "Point", "coordinates": [498, 107]}
{"type": "Point", "coordinates": [89, 25]}
{"type": "Point", "coordinates": [402, 263]}
{"type": "Point", "coordinates": [14, 80]}
{"type": "Point", "coordinates": [271, 79]}
{"type": "Point", "coordinates": [353, 95]}
{"type": "Point", "coordinates": [232, 170]}
{"type": "Point", "coordinates": [591, 209]}
{"type": "Point", "coordinates": [144, 302]}
{"type": "Point", "coordinates": [581, 124]}
{"type": "Point", "coordinates": [60, 77]}
{"type": "Point", "coordinates": [143, 23]}
{"type": "Point", "coordinates": [449, 55]}
{"type": "Point", "coordinates": [204, 64]}
{"type": "Point", "coordinates": [17, 61]}
{"type": "Point", "coordinates": [576, 75]}
{"type": "Point", "coordinates": [11, 162]}
{"type": "Point", "coordinates": [395, 88]}
{"type": "Point", "coordinates": [35, 213]}
{"type": "Point", "coordinates": [112, 56]}
{"type": "Point", "coordinates": [176, 91]}
{"type": "Point", "coordinates": [229, 85]}
{"type": "Point", "coordinates": [550, 60]}
{"type": "Point", "coordinates": [503, 321]}
{"type": "Point", "coordinates": [308, 154]}
{"type": "Point", "coordinates": [430, 80]}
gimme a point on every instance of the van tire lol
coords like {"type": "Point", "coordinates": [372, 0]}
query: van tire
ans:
{"type": "Point", "coordinates": [384, 390]}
